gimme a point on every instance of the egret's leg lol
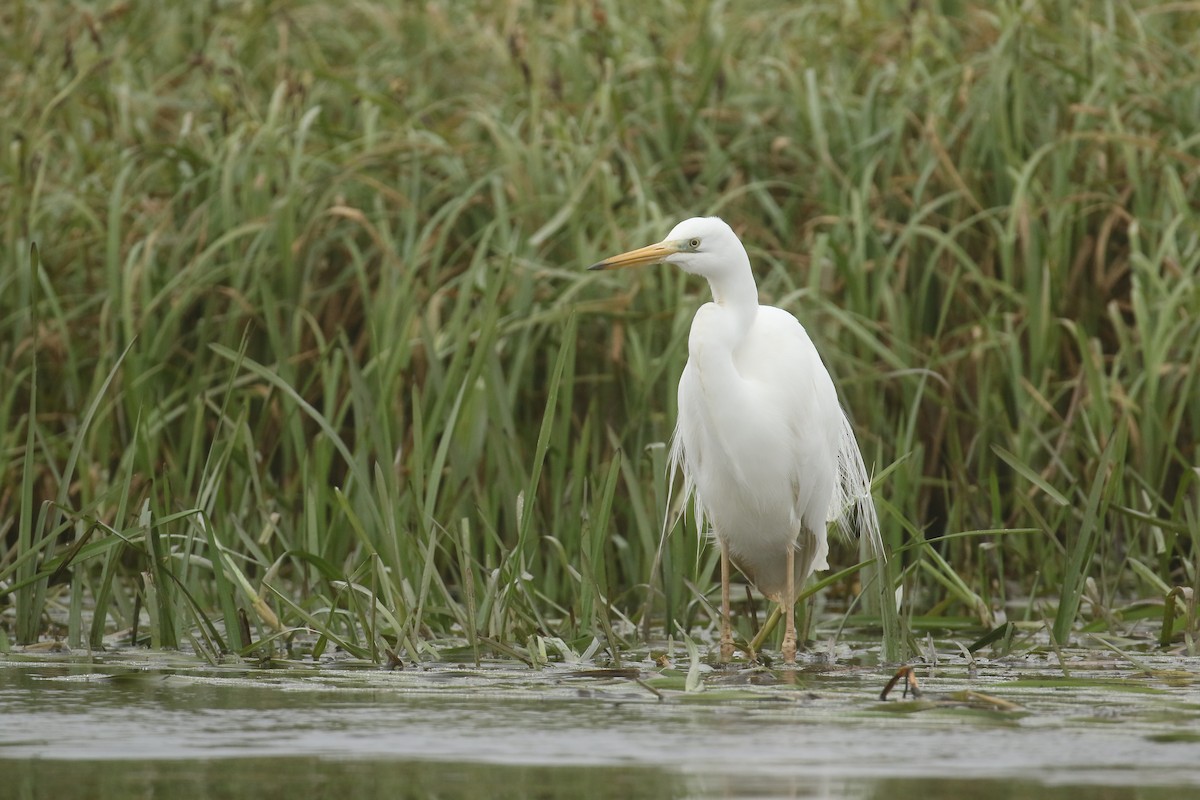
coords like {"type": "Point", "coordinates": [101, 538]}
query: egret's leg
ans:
{"type": "Point", "coordinates": [789, 609]}
{"type": "Point", "coordinates": [726, 627]}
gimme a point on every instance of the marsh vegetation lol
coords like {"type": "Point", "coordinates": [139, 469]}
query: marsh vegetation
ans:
{"type": "Point", "coordinates": [301, 355]}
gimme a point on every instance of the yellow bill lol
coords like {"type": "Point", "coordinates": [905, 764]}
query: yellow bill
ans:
{"type": "Point", "coordinates": [650, 254]}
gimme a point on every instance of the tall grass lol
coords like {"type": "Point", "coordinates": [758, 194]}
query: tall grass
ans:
{"type": "Point", "coordinates": [306, 341]}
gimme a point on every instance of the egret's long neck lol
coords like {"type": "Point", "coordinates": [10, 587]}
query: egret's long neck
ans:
{"type": "Point", "coordinates": [735, 291]}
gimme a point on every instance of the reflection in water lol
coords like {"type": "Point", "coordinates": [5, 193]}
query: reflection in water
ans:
{"type": "Point", "coordinates": [312, 779]}
{"type": "Point", "coordinates": [315, 779]}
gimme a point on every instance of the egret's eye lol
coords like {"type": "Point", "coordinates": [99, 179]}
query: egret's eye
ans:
{"type": "Point", "coordinates": [694, 244]}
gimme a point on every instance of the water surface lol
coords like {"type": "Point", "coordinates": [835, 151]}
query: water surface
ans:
{"type": "Point", "coordinates": [162, 726]}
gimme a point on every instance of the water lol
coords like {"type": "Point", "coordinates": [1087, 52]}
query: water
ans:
{"type": "Point", "coordinates": [161, 726]}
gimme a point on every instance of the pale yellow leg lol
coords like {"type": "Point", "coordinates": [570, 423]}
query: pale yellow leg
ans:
{"type": "Point", "coordinates": [789, 610]}
{"type": "Point", "coordinates": [726, 626]}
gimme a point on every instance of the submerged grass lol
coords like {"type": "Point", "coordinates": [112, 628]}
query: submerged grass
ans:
{"type": "Point", "coordinates": [297, 332]}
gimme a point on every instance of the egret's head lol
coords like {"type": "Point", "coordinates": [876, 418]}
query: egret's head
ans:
{"type": "Point", "coordinates": [703, 246]}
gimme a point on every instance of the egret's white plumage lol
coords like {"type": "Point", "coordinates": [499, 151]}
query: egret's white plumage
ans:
{"type": "Point", "coordinates": [761, 439]}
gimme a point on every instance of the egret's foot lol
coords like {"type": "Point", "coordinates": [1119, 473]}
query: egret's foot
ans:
{"type": "Point", "coordinates": [789, 647]}
{"type": "Point", "coordinates": [729, 648]}
{"type": "Point", "coordinates": [726, 639]}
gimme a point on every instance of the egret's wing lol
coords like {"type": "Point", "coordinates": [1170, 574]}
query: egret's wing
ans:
{"type": "Point", "coordinates": [815, 403]}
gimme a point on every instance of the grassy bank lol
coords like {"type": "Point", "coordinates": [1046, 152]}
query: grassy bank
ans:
{"type": "Point", "coordinates": [297, 331]}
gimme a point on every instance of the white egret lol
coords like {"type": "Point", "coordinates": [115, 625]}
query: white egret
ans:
{"type": "Point", "coordinates": [765, 448]}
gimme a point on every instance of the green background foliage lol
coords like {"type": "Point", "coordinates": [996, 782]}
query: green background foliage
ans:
{"type": "Point", "coordinates": [307, 334]}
